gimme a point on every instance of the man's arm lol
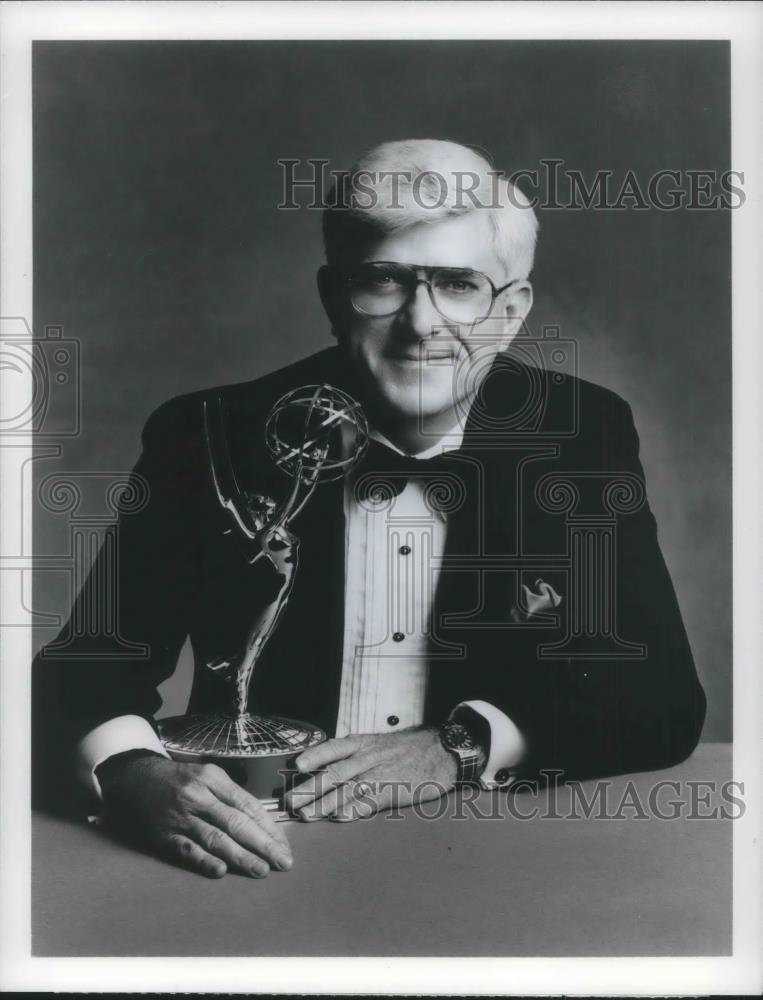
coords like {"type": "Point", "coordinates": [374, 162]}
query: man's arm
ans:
{"type": "Point", "coordinates": [94, 697]}
{"type": "Point", "coordinates": [128, 623]}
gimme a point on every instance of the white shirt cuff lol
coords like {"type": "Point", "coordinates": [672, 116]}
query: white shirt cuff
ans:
{"type": "Point", "coordinates": [507, 744]}
{"type": "Point", "coordinates": [127, 732]}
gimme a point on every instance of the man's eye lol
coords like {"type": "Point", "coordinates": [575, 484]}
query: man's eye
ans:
{"type": "Point", "coordinates": [458, 285]}
{"type": "Point", "coordinates": [382, 282]}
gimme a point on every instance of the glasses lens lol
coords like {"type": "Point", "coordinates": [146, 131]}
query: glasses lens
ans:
{"type": "Point", "coordinates": [462, 295]}
{"type": "Point", "coordinates": [381, 289]}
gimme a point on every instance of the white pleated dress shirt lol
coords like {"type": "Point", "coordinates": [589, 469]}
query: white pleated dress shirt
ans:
{"type": "Point", "coordinates": [393, 555]}
{"type": "Point", "coordinates": [393, 552]}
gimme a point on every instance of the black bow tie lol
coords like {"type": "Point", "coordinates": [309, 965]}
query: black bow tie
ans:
{"type": "Point", "coordinates": [383, 472]}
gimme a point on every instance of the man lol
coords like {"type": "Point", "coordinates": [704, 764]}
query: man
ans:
{"type": "Point", "coordinates": [530, 606]}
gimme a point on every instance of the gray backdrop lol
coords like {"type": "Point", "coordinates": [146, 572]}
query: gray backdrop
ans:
{"type": "Point", "coordinates": [160, 248]}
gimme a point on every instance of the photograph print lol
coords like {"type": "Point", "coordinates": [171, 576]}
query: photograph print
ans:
{"type": "Point", "coordinates": [382, 498]}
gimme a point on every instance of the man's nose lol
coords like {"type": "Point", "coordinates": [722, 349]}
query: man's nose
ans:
{"type": "Point", "coordinates": [419, 314]}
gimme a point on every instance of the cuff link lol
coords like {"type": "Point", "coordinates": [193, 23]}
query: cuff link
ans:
{"type": "Point", "coordinates": [501, 779]}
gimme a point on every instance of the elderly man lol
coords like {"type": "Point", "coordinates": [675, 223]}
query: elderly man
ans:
{"type": "Point", "coordinates": [486, 638]}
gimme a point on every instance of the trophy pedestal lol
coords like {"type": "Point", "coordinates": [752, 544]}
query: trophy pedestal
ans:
{"type": "Point", "coordinates": [257, 751]}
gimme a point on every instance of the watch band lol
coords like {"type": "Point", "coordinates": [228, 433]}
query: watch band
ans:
{"type": "Point", "coordinates": [456, 739]}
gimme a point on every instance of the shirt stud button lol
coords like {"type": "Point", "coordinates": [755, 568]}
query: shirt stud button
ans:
{"type": "Point", "coordinates": [397, 637]}
{"type": "Point", "coordinates": [405, 550]}
{"type": "Point", "coordinates": [392, 720]}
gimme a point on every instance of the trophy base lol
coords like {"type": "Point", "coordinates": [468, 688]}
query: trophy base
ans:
{"type": "Point", "coordinates": [256, 751]}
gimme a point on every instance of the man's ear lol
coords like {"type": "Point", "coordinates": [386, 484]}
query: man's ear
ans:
{"type": "Point", "coordinates": [518, 304]}
{"type": "Point", "coordinates": [328, 291]}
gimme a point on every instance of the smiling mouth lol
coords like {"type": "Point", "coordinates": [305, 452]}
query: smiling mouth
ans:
{"type": "Point", "coordinates": [430, 356]}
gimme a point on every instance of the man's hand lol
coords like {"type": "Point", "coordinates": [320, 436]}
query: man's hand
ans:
{"type": "Point", "coordinates": [360, 775]}
{"type": "Point", "coordinates": [194, 815]}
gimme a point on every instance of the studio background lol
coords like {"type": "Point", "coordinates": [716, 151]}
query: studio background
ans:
{"type": "Point", "coordinates": [160, 248]}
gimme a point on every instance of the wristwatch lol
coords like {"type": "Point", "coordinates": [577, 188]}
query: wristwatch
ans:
{"type": "Point", "coordinates": [457, 740]}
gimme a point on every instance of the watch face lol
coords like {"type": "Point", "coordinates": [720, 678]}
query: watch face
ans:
{"type": "Point", "coordinates": [456, 737]}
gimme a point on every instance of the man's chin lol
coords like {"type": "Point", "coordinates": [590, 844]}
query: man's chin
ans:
{"type": "Point", "coordinates": [407, 407]}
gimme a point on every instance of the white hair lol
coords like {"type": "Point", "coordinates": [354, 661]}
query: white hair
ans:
{"type": "Point", "coordinates": [400, 184]}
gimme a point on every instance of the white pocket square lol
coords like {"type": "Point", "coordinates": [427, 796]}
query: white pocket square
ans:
{"type": "Point", "coordinates": [544, 598]}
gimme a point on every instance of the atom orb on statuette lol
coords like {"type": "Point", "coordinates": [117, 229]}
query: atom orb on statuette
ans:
{"type": "Point", "coordinates": [316, 433]}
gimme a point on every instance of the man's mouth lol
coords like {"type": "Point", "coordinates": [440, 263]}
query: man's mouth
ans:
{"type": "Point", "coordinates": [427, 356]}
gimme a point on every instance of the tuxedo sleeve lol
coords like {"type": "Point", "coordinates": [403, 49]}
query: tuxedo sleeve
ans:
{"type": "Point", "coordinates": [131, 617]}
{"type": "Point", "coordinates": [590, 717]}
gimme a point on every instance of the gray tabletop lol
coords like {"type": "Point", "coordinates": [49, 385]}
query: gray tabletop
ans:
{"type": "Point", "coordinates": [478, 880]}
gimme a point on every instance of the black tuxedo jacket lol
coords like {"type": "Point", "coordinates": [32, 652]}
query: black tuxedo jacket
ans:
{"type": "Point", "coordinates": [551, 489]}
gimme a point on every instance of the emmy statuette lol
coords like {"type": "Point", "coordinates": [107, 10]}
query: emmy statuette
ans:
{"type": "Point", "coordinates": [315, 434]}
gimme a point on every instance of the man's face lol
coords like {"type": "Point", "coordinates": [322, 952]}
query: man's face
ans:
{"type": "Point", "coordinates": [416, 364]}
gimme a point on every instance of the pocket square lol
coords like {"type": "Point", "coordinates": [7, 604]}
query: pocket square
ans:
{"type": "Point", "coordinates": [544, 598]}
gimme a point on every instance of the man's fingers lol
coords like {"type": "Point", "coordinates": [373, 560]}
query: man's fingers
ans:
{"type": "Point", "coordinates": [363, 801]}
{"type": "Point", "coordinates": [326, 804]}
{"type": "Point", "coordinates": [333, 775]}
{"type": "Point", "coordinates": [375, 794]}
{"type": "Point", "coordinates": [350, 800]}
{"type": "Point", "coordinates": [318, 785]}
{"type": "Point", "coordinates": [245, 832]}
{"type": "Point", "coordinates": [183, 851]}
{"type": "Point", "coordinates": [226, 789]}
{"type": "Point", "coordinates": [217, 842]}
{"type": "Point", "coordinates": [325, 753]}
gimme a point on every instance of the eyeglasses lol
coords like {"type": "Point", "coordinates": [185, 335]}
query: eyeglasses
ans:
{"type": "Point", "coordinates": [382, 288]}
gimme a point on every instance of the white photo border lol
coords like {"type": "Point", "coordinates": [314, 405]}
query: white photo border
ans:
{"type": "Point", "coordinates": [740, 23]}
